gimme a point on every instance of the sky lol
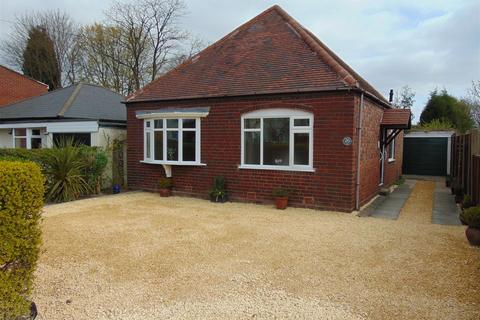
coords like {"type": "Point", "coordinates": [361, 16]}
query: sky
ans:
{"type": "Point", "coordinates": [424, 44]}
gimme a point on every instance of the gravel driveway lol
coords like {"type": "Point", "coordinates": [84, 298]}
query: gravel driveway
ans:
{"type": "Point", "coordinates": [139, 256]}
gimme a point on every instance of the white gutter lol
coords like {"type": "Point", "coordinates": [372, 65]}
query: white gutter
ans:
{"type": "Point", "coordinates": [359, 154]}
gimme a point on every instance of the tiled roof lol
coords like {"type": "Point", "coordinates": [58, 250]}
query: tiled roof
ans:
{"type": "Point", "coordinates": [272, 53]}
{"type": "Point", "coordinates": [396, 118]}
{"type": "Point", "coordinates": [79, 101]}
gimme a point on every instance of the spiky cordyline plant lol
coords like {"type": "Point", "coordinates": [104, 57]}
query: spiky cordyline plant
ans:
{"type": "Point", "coordinates": [64, 172]}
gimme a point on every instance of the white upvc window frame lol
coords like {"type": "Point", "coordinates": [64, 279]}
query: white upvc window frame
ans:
{"type": "Point", "coordinates": [28, 137]}
{"type": "Point", "coordinates": [391, 149]}
{"type": "Point", "coordinates": [149, 129]}
{"type": "Point", "coordinates": [292, 114]}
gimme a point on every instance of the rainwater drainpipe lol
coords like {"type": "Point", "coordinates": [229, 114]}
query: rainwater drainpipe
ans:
{"type": "Point", "coordinates": [359, 153]}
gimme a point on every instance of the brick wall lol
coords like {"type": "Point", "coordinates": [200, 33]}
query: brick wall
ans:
{"type": "Point", "coordinates": [331, 186]}
{"type": "Point", "coordinates": [370, 157]}
{"type": "Point", "coordinates": [15, 87]}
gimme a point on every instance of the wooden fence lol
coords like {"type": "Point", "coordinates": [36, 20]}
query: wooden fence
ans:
{"type": "Point", "coordinates": [465, 163]}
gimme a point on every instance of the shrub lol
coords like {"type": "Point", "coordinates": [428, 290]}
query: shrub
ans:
{"type": "Point", "coordinates": [467, 202]}
{"type": "Point", "coordinates": [95, 163]}
{"type": "Point", "coordinates": [280, 192]}
{"type": "Point", "coordinates": [87, 166]}
{"type": "Point", "coordinates": [471, 216]}
{"type": "Point", "coordinates": [219, 189]}
{"type": "Point", "coordinates": [165, 183]}
{"type": "Point", "coordinates": [437, 124]}
{"type": "Point", "coordinates": [21, 199]}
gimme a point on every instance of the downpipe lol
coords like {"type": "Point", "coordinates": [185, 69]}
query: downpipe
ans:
{"type": "Point", "coordinates": [359, 153]}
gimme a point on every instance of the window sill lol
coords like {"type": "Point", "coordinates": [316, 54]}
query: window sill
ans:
{"type": "Point", "coordinates": [174, 163]}
{"type": "Point", "coordinates": [277, 168]}
{"type": "Point", "coordinates": [391, 160]}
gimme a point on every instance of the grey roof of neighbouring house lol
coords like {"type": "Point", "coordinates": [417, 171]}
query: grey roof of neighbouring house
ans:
{"type": "Point", "coordinates": [79, 101]}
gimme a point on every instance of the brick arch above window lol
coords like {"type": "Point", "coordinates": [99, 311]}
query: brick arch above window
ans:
{"type": "Point", "coordinates": [277, 105]}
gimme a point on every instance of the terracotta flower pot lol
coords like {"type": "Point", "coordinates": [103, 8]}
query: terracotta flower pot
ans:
{"type": "Point", "coordinates": [165, 192]}
{"type": "Point", "coordinates": [281, 202]}
{"type": "Point", "coordinates": [473, 236]}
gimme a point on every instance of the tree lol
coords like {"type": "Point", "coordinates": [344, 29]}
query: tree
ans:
{"type": "Point", "coordinates": [98, 58]}
{"type": "Point", "coordinates": [61, 29]}
{"type": "Point", "coordinates": [404, 98]}
{"type": "Point", "coordinates": [473, 101]}
{"type": "Point", "coordinates": [149, 33]}
{"type": "Point", "coordinates": [447, 108]}
{"type": "Point", "coordinates": [39, 59]}
{"type": "Point", "coordinates": [193, 46]}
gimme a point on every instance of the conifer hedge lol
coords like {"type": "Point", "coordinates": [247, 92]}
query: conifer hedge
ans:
{"type": "Point", "coordinates": [21, 201]}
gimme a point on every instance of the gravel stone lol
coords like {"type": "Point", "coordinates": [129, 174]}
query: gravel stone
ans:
{"type": "Point", "coordinates": [139, 256]}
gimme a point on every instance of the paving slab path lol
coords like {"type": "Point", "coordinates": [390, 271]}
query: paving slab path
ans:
{"type": "Point", "coordinates": [445, 210]}
{"type": "Point", "coordinates": [422, 201]}
{"type": "Point", "coordinates": [388, 207]}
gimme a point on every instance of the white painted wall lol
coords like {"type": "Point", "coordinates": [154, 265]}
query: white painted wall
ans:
{"type": "Point", "coordinates": [6, 140]}
{"type": "Point", "coordinates": [104, 136]}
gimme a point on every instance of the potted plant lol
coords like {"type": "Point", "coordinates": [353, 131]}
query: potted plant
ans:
{"type": "Point", "coordinates": [281, 198]}
{"type": "Point", "coordinates": [471, 216]}
{"type": "Point", "coordinates": [165, 186]}
{"type": "Point", "coordinates": [218, 193]}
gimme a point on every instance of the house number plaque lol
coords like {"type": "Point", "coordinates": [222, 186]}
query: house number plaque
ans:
{"type": "Point", "coordinates": [347, 141]}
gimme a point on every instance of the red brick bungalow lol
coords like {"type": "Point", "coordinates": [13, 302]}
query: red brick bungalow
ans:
{"type": "Point", "coordinates": [15, 87]}
{"type": "Point", "coordinates": [267, 106]}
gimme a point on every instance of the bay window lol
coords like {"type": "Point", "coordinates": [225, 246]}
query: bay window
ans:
{"type": "Point", "coordinates": [277, 139]}
{"type": "Point", "coordinates": [172, 141]}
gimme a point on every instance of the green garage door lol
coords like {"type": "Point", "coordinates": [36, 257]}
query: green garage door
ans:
{"type": "Point", "coordinates": [425, 156]}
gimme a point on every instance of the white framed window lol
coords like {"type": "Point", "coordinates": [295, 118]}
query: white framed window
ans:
{"type": "Point", "coordinates": [277, 139]}
{"type": "Point", "coordinates": [27, 138]}
{"type": "Point", "coordinates": [391, 149]}
{"type": "Point", "coordinates": [172, 141]}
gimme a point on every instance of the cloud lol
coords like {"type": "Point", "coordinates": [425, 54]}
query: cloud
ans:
{"type": "Point", "coordinates": [425, 44]}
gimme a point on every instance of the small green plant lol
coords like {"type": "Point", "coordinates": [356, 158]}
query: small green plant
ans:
{"type": "Point", "coordinates": [165, 183]}
{"type": "Point", "coordinates": [219, 189]}
{"type": "Point", "coordinates": [471, 217]}
{"type": "Point", "coordinates": [280, 193]}
{"type": "Point", "coordinates": [21, 200]}
{"type": "Point", "coordinates": [400, 181]}
{"type": "Point", "coordinates": [467, 202]}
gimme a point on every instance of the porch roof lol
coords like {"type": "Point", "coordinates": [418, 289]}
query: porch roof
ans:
{"type": "Point", "coordinates": [396, 119]}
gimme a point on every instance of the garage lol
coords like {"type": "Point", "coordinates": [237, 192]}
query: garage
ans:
{"type": "Point", "coordinates": [427, 153]}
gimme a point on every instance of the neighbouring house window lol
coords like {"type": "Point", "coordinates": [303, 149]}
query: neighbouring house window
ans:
{"type": "Point", "coordinates": [391, 150]}
{"type": "Point", "coordinates": [27, 138]}
{"type": "Point", "coordinates": [172, 141]}
{"type": "Point", "coordinates": [277, 139]}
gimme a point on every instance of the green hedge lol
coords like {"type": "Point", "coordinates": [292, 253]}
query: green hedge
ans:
{"type": "Point", "coordinates": [21, 199]}
{"type": "Point", "coordinates": [70, 171]}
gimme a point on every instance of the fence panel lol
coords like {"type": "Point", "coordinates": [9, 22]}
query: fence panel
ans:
{"type": "Point", "coordinates": [465, 163]}
{"type": "Point", "coordinates": [476, 179]}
